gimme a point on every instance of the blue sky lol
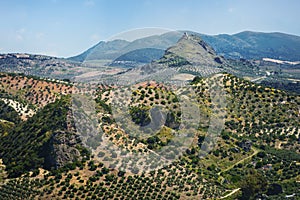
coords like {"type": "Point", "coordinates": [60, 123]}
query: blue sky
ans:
{"type": "Point", "coordinates": [67, 27]}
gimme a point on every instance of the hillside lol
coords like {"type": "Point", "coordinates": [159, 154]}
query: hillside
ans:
{"type": "Point", "coordinates": [102, 51]}
{"type": "Point", "coordinates": [45, 140]}
{"type": "Point", "coordinates": [138, 57]}
{"type": "Point", "coordinates": [260, 137]}
{"type": "Point", "coordinates": [38, 65]}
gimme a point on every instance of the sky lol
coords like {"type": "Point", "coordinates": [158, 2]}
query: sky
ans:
{"type": "Point", "coordinates": [66, 28]}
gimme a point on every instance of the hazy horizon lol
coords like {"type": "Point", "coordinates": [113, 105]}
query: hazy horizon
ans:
{"type": "Point", "coordinates": [64, 28]}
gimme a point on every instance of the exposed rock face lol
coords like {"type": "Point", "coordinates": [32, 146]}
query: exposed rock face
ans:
{"type": "Point", "coordinates": [62, 148]}
{"type": "Point", "coordinates": [195, 51]}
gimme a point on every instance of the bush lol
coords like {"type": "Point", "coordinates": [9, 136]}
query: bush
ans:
{"type": "Point", "coordinates": [261, 154]}
{"type": "Point", "coordinates": [140, 115]}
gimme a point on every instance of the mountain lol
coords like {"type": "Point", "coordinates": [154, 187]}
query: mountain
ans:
{"type": "Point", "coordinates": [191, 56]}
{"type": "Point", "coordinates": [111, 50]}
{"type": "Point", "coordinates": [256, 45]}
{"type": "Point", "coordinates": [194, 50]}
{"type": "Point", "coordinates": [188, 57]}
{"type": "Point", "coordinates": [102, 50]}
{"type": "Point", "coordinates": [145, 55]}
{"type": "Point", "coordinates": [247, 45]}
{"type": "Point", "coordinates": [118, 56]}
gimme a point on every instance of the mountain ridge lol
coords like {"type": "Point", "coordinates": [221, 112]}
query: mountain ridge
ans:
{"type": "Point", "coordinates": [256, 45]}
{"type": "Point", "coordinates": [246, 44]}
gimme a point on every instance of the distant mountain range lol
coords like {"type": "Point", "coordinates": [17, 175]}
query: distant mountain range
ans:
{"type": "Point", "coordinates": [247, 45]}
{"type": "Point", "coordinates": [256, 45]}
{"type": "Point", "coordinates": [174, 56]}
{"type": "Point", "coordinates": [191, 56]}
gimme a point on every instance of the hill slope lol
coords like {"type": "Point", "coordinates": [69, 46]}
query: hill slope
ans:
{"type": "Point", "coordinates": [260, 139]}
{"type": "Point", "coordinates": [42, 141]}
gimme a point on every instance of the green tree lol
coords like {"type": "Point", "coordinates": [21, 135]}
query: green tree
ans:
{"type": "Point", "coordinates": [253, 184]}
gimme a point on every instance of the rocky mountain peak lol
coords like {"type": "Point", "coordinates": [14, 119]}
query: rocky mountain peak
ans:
{"type": "Point", "coordinates": [194, 50]}
{"type": "Point", "coordinates": [197, 40]}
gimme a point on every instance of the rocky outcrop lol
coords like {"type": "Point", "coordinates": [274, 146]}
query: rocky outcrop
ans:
{"type": "Point", "coordinates": [194, 51]}
{"type": "Point", "coordinates": [62, 149]}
